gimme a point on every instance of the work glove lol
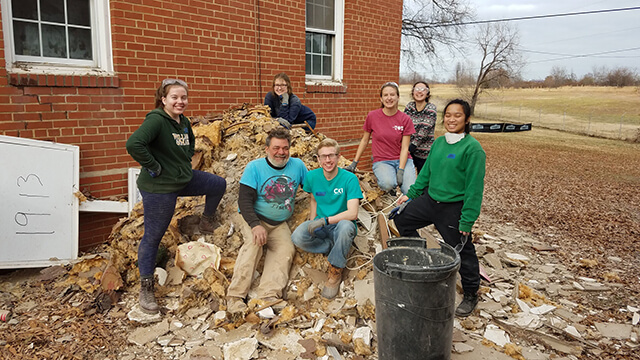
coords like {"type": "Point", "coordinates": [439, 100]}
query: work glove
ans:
{"type": "Point", "coordinates": [317, 224]}
{"type": "Point", "coordinates": [284, 122]}
{"type": "Point", "coordinates": [285, 99]}
{"type": "Point", "coordinates": [399, 176]}
{"type": "Point", "coordinates": [352, 167]}
{"type": "Point", "coordinates": [397, 210]}
{"type": "Point", "coordinates": [154, 173]}
{"type": "Point", "coordinates": [412, 149]}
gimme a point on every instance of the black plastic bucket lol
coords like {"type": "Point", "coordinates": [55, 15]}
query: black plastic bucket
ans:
{"type": "Point", "coordinates": [415, 300]}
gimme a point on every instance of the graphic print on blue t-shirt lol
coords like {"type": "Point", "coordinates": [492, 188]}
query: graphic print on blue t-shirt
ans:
{"type": "Point", "coordinates": [279, 192]}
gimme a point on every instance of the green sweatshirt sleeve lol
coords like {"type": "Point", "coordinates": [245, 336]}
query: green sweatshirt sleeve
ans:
{"type": "Point", "coordinates": [138, 143]}
{"type": "Point", "coordinates": [474, 188]}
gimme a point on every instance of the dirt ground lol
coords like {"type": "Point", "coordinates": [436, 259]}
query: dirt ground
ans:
{"type": "Point", "coordinates": [579, 194]}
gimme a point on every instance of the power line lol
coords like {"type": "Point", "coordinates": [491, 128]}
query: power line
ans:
{"type": "Point", "coordinates": [537, 17]}
{"type": "Point", "coordinates": [567, 56]}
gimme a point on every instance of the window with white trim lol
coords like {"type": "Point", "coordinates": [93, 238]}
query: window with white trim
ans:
{"type": "Point", "coordinates": [324, 39]}
{"type": "Point", "coordinates": [57, 36]}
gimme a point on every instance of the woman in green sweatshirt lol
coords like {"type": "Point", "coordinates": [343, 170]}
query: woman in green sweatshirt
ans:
{"type": "Point", "coordinates": [164, 145]}
{"type": "Point", "coordinates": [448, 194]}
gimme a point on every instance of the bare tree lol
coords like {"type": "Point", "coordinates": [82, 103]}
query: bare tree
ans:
{"type": "Point", "coordinates": [427, 23]}
{"type": "Point", "coordinates": [500, 58]}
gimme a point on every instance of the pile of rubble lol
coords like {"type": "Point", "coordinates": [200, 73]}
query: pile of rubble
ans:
{"type": "Point", "coordinates": [532, 307]}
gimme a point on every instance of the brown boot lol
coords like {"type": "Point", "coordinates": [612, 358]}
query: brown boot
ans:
{"type": "Point", "coordinates": [207, 225]}
{"type": "Point", "coordinates": [147, 297]}
{"type": "Point", "coordinates": [331, 287]}
{"type": "Point", "coordinates": [235, 305]}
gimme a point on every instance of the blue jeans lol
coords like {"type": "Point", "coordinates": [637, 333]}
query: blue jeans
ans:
{"type": "Point", "coordinates": [385, 171]}
{"type": "Point", "coordinates": [332, 239]}
{"type": "Point", "coordinates": [159, 208]}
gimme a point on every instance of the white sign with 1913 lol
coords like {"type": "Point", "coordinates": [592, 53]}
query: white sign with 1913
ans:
{"type": "Point", "coordinates": [39, 211]}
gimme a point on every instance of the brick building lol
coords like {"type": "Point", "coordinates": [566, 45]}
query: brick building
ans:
{"type": "Point", "coordinates": [84, 72]}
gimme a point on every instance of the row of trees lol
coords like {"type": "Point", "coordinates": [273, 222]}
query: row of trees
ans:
{"type": "Point", "coordinates": [599, 76]}
{"type": "Point", "coordinates": [559, 76]}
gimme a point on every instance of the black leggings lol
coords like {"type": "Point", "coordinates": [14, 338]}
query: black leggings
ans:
{"type": "Point", "coordinates": [424, 211]}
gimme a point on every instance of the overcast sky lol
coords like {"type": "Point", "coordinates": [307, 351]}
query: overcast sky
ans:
{"type": "Point", "coordinates": [570, 42]}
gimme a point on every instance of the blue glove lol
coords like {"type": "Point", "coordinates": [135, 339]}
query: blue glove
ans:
{"type": "Point", "coordinates": [154, 173]}
{"type": "Point", "coordinates": [399, 176]}
{"type": "Point", "coordinates": [317, 224]}
{"type": "Point", "coordinates": [397, 210]}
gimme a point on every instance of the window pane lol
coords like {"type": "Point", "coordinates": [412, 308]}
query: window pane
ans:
{"type": "Point", "coordinates": [54, 41]}
{"type": "Point", "coordinates": [52, 10]}
{"type": "Point", "coordinates": [310, 13]}
{"type": "Point", "coordinates": [25, 9]}
{"type": "Point", "coordinates": [307, 68]}
{"type": "Point", "coordinates": [316, 65]}
{"type": "Point", "coordinates": [326, 48]}
{"type": "Point", "coordinates": [79, 12]}
{"type": "Point", "coordinates": [326, 65]}
{"type": "Point", "coordinates": [320, 14]}
{"type": "Point", "coordinates": [317, 44]}
{"type": "Point", "coordinates": [26, 38]}
{"type": "Point", "coordinates": [307, 43]}
{"type": "Point", "coordinates": [80, 44]}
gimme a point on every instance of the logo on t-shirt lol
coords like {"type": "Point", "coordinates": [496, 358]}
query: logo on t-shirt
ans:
{"type": "Point", "coordinates": [451, 156]}
{"type": "Point", "coordinates": [279, 191]}
{"type": "Point", "coordinates": [398, 128]}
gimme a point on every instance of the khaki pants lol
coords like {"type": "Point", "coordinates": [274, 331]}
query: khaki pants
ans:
{"type": "Point", "coordinates": [277, 262]}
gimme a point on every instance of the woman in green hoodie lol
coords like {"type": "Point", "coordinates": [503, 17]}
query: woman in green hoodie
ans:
{"type": "Point", "coordinates": [164, 145]}
{"type": "Point", "coordinates": [448, 194]}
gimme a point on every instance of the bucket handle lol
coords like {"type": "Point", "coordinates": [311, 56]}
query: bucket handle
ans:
{"type": "Point", "coordinates": [397, 269]}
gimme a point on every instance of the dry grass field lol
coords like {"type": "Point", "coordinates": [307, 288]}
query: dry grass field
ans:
{"type": "Point", "coordinates": [608, 112]}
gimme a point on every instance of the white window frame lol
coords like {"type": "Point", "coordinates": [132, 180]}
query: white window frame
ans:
{"type": "Point", "coordinates": [338, 47]}
{"type": "Point", "coordinates": [102, 63]}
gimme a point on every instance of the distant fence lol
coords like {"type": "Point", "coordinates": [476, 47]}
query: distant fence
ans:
{"type": "Point", "coordinates": [616, 126]}
{"type": "Point", "coordinates": [499, 127]}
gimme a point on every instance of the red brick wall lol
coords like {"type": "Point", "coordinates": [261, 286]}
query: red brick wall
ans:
{"type": "Point", "coordinates": [228, 51]}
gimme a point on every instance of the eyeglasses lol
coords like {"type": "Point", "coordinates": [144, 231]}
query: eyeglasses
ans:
{"type": "Point", "coordinates": [327, 156]}
{"type": "Point", "coordinates": [167, 82]}
{"type": "Point", "coordinates": [390, 83]}
{"type": "Point", "coordinates": [421, 89]}
{"type": "Point", "coordinates": [279, 85]}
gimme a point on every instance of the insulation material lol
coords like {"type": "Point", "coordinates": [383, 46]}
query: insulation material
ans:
{"type": "Point", "coordinates": [195, 256]}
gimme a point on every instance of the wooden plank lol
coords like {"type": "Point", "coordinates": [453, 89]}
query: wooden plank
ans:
{"type": "Point", "coordinates": [432, 242]}
{"type": "Point", "coordinates": [384, 230]}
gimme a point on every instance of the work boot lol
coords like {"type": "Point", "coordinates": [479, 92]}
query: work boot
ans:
{"type": "Point", "coordinates": [147, 298]}
{"type": "Point", "coordinates": [331, 287]}
{"type": "Point", "coordinates": [207, 225]}
{"type": "Point", "coordinates": [467, 305]}
{"type": "Point", "coordinates": [235, 305]}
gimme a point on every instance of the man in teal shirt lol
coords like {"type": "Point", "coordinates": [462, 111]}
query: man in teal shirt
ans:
{"type": "Point", "coordinates": [335, 200]}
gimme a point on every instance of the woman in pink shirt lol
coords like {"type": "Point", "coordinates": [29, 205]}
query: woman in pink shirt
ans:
{"type": "Point", "coordinates": [390, 132]}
